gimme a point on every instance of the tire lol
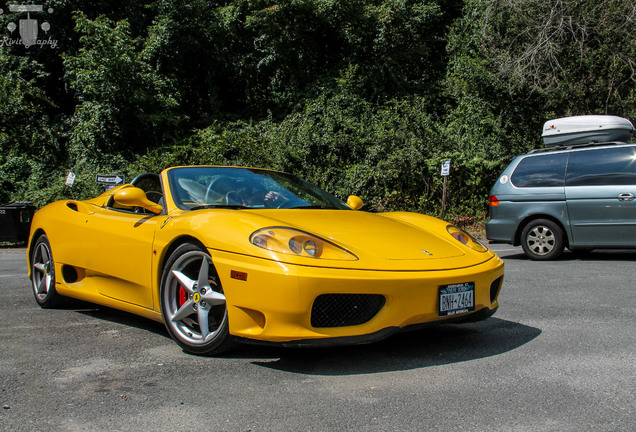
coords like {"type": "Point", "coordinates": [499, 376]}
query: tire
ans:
{"type": "Point", "coordinates": [191, 293]}
{"type": "Point", "coordinates": [43, 274]}
{"type": "Point", "coordinates": [542, 240]}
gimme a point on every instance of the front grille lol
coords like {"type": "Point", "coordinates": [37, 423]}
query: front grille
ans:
{"type": "Point", "coordinates": [341, 310]}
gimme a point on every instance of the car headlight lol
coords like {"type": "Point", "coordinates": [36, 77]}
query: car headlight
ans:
{"type": "Point", "coordinates": [465, 238]}
{"type": "Point", "coordinates": [295, 242]}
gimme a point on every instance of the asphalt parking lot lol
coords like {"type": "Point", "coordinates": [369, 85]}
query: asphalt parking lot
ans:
{"type": "Point", "coordinates": [559, 355]}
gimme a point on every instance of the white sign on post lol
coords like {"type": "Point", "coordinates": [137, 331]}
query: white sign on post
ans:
{"type": "Point", "coordinates": [110, 180]}
{"type": "Point", "coordinates": [70, 179]}
{"type": "Point", "coordinates": [114, 180]}
{"type": "Point", "coordinates": [445, 174]}
{"type": "Point", "coordinates": [446, 167]}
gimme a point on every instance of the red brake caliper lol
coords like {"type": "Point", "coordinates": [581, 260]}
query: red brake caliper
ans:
{"type": "Point", "coordinates": [183, 296]}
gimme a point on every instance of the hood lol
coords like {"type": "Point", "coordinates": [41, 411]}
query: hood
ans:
{"type": "Point", "coordinates": [374, 234]}
{"type": "Point", "coordinates": [381, 241]}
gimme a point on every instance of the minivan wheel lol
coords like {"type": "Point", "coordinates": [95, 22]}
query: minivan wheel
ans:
{"type": "Point", "coordinates": [542, 240]}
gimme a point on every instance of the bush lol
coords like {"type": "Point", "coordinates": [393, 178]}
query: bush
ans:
{"type": "Point", "coordinates": [390, 154]}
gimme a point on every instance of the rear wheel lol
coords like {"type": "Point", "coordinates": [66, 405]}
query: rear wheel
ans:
{"type": "Point", "coordinates": [542, 240]}
{"type": "Point", "coordinates": [43, 274]}
{"type": "Point", "coordinates": [193, 303]}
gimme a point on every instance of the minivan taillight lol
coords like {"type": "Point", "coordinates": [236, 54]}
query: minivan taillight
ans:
{"type": "Point", "coordinates": [493, 201]}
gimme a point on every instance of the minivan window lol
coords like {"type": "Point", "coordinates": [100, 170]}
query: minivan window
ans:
{"type": "Point", "coordinates": [608, 166]}
{"type": "Point", "coordinates": [540, 171]}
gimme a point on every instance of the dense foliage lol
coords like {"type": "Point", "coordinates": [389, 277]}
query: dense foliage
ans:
{"type": "Point", "coordinates": [360, 96]}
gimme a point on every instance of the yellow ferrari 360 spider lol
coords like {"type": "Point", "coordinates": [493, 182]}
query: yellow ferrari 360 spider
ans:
{"type": "Point", "coordinates": [224, 254]}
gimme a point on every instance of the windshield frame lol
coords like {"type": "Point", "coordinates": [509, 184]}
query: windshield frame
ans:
{"type": "Point", "coordinates": [199, 187]}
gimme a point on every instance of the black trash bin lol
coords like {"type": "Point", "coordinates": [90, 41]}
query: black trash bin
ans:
{"type": "Point", "coordinates": [15, 221]}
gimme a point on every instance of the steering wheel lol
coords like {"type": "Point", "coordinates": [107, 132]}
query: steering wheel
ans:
{"type": "Point", "coordinates": [212, 185]}
{"type": "Point", "coordinates": [231, 198]}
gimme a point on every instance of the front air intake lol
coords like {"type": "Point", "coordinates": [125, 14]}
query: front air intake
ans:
{"type": "Point", "coordinates": [342, 310]}
{"type": "Point", "coordinates": [495, 286]}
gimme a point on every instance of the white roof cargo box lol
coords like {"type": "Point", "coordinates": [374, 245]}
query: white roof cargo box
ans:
{"type": "Point", "coordinates": [586, 129]}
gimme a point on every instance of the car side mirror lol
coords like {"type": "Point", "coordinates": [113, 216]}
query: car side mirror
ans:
{"type": "Point", "coordinates": [134, 197]}
{"type": "Point", "coordinates": [354, 202]}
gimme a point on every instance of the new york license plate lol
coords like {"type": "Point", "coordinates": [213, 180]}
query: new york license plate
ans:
{"type": "Point", "coordinates": [456, 299]}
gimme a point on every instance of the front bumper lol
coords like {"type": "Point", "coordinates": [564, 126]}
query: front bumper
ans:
{"type": "Point", "coordinates": [273, 301]}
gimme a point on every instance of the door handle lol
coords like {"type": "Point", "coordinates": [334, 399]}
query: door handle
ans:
{"type": "Point", "coordinates": [626, 197]}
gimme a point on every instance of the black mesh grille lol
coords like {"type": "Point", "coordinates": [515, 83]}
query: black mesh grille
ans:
{"type": "Point", "coordinates": [341, 310]}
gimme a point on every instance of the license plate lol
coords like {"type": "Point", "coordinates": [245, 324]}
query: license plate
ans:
{"type": "Point", "coordinates": [456, 299]}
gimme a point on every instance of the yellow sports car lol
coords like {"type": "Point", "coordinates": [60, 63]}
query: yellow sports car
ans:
{"type": "Point", "coordinates": [224, 254]}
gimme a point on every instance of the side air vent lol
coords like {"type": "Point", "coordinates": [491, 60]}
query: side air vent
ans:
{"type": "Point", "coordinates": [69, 274]}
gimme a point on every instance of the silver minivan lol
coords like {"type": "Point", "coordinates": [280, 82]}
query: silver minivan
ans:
{"type": "Point", "coordinates": [581, 197]}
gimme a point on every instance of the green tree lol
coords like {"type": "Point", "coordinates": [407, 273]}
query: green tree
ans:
{"type": "Point", "coordinates": [123, 104]}
{"type": "Point", "coordinates": [29, 136]}
{"type": "Point", "coordinates": [515, 64]}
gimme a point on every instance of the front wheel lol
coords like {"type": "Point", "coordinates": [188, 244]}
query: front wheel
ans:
{"type": "Point", "coordinates": [192, 302]}
{"type": "Point", "coordinates": [43, 274]}
{"type": "Point", "coordinates": [542, 240]}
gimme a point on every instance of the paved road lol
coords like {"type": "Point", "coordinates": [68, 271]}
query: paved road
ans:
{"type": "Point", "coordinates": [559, 355]}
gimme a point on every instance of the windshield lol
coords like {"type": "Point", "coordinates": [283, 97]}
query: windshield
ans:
{"type": "Point", "coordinates": [194, 188]}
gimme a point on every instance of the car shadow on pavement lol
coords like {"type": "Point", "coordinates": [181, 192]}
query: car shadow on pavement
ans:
{"type": "Point", "coordinates": [121, 317]}
{"type": "Point", "coordinates": [433, 346]}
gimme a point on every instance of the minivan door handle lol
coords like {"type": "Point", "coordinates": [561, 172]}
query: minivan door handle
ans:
{"type": "Point", "coordinates": [626, 197]}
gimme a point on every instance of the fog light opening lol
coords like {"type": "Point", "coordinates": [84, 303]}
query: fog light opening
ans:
{"type": "Point", "coordinates": [495, 287]}
{"type": "Point", "coordinates": [256, 316]}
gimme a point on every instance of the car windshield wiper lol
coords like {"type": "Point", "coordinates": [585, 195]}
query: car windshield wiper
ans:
{"type": "Point", "coordinates": [315, 206]}
{"type": "Point", "coordinates": [224, 206]}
